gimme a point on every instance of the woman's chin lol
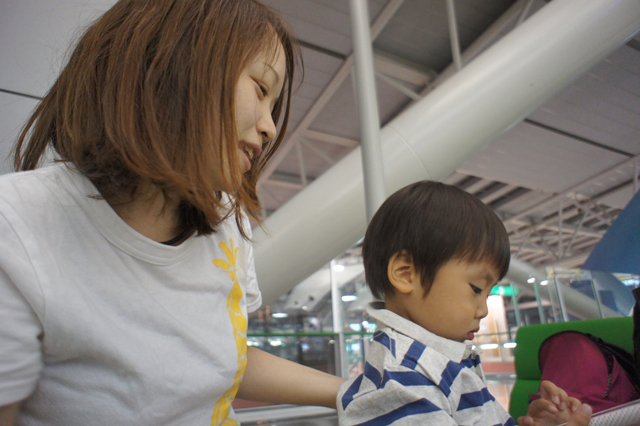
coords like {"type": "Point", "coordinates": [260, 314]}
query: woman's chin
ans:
{"type": "Point", "coordinates": [245, 163]}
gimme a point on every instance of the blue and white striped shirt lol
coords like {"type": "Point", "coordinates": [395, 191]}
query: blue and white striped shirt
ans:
{"type": "Point", "coordinates": [412, 376]}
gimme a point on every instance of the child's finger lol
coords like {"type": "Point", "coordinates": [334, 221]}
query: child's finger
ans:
{"type": "Point", "coordinates": [525, 421]}
{"type": "Point", "coordinates": [574, 404]}
{"type": "Point", "coordinates": [541, 405]}
{"type": "Point", "coordinates": [551, 392]}
{"type": "Point", "coordinates": [581, 417]}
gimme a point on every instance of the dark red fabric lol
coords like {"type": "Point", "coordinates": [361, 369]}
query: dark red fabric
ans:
{"type": "Point", "coordinates": [574, 363]}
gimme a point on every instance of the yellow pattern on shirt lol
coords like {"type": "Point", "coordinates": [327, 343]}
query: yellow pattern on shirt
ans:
{"type": "Point", "coordinates": [239, 323]}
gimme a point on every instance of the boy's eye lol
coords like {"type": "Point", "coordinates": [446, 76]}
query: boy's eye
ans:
{"type": "Point", "coordinates": [476, 290]}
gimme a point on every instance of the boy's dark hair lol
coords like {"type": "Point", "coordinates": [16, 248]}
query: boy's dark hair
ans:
{"type": "Point", "coordinates": [434, 223]}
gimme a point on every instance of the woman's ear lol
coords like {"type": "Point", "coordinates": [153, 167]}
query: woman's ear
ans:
{"type": "Point", "coordinates": [402, 273]}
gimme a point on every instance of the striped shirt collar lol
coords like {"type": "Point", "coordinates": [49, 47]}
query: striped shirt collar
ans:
{"type": "Point", "coordinates": [455, 351]}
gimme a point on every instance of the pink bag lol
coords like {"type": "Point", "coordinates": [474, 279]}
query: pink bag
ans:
{"type": "Point", "coordinates": [588, 369]}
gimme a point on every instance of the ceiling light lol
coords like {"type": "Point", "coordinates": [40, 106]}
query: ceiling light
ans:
{"type": "Point", "coordinates": [544, 282]}
{"type": "Point", "coordinates": [349, 297]}
{"type": "Point", "coordinates": [279, 314]}
{"type": "Point", "coordinates": [489, 346]}
{"type": "Point", "coordinates": [338, 267]}
{"type": "Point", "coordinates": [275, 343]}
{"type": "Point", "coordinates": [355, 326]}
{"type": "Point", "coordinates": [531, 280]}
{"type": "Point", "coordinates": [510, 345]}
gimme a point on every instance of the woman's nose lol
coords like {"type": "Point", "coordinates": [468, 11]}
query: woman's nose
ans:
{"type": "Point", "coordinates": [266, 127]}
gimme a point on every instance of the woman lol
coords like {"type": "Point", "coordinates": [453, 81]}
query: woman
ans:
{"type": "Point", "coordinates": [126, 273]}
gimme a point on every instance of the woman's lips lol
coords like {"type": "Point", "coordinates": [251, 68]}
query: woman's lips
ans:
{"type": "Point", "coordinates": [246, 160]}
{"type": "Point", "coordinates": [249, 152]}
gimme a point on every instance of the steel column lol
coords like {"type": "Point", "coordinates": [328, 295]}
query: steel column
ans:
{"type": "Point", "coordinates": [372, 168]}
{"type": "Point", "coordinates": [453, 35]}
{"type": "Point", "coordinates": [338, 323]}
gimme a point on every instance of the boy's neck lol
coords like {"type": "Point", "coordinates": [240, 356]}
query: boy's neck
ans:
{"type": "Point", "coordinates": [392, 304]}
{"type": "Point", "coordinates": [396, 305]}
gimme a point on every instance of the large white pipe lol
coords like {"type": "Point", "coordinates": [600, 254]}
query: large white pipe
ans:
{"type": "Point", "coordinates": [440, 132]}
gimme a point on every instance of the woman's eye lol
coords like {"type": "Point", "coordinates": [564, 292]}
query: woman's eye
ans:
{"type": "Point", "coordinates": [476, 290]}
{"type": "Point", "coordinates": [263, 90]}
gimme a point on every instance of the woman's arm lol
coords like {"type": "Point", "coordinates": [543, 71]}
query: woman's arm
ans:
{"type": "Point", "coordinates": [8, 414]}
{"type": "Point", "coordinates": [269, 378]}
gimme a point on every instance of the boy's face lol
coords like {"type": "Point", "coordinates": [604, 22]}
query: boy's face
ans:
{"type": "Point", "coordinates": [456, 302]}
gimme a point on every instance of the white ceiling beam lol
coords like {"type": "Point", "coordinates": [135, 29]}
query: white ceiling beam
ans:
{"type": "Point", "coordinates": [283, 180]}
{"type": "Point", "coordinates": [283, 184]}
{"type": "Point", "coordinates": [398, 86]}
{"type": "Point", "coordinates": [303, 172]}
{"type": "Point", "coordinates": [571, 190]}
{"type": "Point", "coordinates": [551, 240]}
{"type": "Point", "coordinates": [399, 70]}
{"type": "Point", "coordinates": [572, 208]}
{"type": "Point", "coordinates": [497, 194]}
{"type": "Point", "coordinates": [478, 185]}
{"type": "Point", "coordinates": [486, 39]}
{"type": "Point", "coordinates": [565, 227]}
{"type": "Point", "coordinates": [332, 139]}
{"type": "Point", "coordinates": [569, 262]}
{"type": "Point", "coordinates": [320, 153]}
{"type": "Point", "coordinates": [524, 13]}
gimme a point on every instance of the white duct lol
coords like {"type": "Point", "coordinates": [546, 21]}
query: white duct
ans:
{"type": "Point", "coordinates": [443, 130]}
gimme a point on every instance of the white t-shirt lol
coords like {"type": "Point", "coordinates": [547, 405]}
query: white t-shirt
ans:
{"type": "Point", "coordinates": [100, 325]}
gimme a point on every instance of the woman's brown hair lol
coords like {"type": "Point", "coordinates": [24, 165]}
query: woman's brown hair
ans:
{"type": "Point", "coordinates": [148, 96]}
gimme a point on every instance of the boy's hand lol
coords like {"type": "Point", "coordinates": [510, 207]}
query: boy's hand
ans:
{"type": "Point", "coordinates": [555, 407]}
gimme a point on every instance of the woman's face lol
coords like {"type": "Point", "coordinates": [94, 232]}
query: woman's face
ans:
{"type": "Point", "coordinates": [258, 89]}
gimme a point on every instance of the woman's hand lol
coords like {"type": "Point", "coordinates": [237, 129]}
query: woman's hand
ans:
{"type": "Point", "coordinates": [555, 407]}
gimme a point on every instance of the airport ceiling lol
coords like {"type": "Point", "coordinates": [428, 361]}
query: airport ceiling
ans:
{"type": "Point", "coordinates": [558, 179]}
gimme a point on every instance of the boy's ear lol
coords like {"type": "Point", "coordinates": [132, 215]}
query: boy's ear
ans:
{"type": "Point", "coordinates": [402, 273]}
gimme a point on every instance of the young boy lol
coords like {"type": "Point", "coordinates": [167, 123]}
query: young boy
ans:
{"type": "Point", "coordinates": [433, 253]}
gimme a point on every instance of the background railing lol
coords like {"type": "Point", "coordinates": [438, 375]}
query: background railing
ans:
{"type": "Point", "coordinates": [319, 350]}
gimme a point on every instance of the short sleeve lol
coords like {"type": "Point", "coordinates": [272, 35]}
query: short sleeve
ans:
{"type": "Point", "coordinates": [20, 327]}
{"type": "Point", "coordinates": [252, 290]}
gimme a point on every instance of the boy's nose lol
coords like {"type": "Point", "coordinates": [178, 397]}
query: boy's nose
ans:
{"type": "Point", "coordinates": [483, 309]}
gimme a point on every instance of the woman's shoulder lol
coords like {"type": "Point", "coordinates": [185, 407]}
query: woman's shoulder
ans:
{"type": "Point", "coordinates": [34, 193]}
{"type": "Point", "coordinates": [230, 225]}
{"type": "Point", "coordinates": [22, 187]}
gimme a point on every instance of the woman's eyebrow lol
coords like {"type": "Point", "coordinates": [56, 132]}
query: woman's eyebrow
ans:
{"type": "Point", "coordinates": [269, 66]}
